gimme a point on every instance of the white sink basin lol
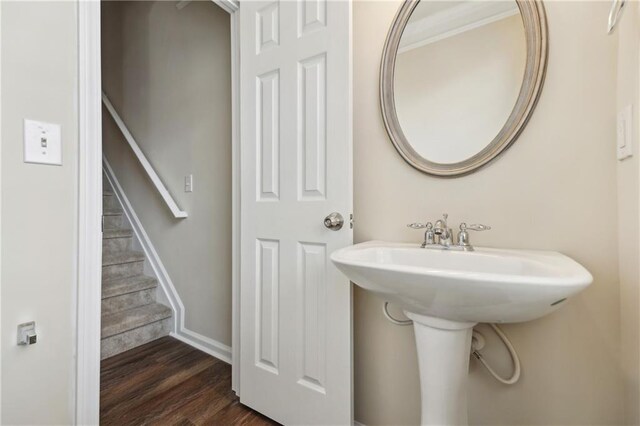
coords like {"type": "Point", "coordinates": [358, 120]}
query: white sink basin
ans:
{"type": "Point", "coordinates": [447, 292]}
{"type": "Point", "coordinates": [485, 285]}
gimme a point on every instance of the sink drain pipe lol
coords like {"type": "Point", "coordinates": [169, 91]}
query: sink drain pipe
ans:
{"type": "Point", "coordinates": [475, 349]}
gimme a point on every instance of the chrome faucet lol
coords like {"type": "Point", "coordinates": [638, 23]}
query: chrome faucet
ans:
{"type": "Point", "coordinates": [440, 236]}
{"type": "Point", "coordinates": [442, 231]}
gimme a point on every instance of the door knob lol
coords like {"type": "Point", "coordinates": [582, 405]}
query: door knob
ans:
{"type": "Point", "coordinates": [334, 221]}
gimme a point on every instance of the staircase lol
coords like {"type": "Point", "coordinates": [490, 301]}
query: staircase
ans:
{"type": "Point", "coordinates": [131, 315]}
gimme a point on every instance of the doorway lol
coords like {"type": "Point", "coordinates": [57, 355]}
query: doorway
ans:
{"type": "Point", "coordinates": [97, 113]}
{"type": "Point", "coordinates": [296, 156]}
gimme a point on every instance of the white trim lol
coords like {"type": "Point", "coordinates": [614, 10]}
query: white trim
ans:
{"type": "Point", "coordinates": [205, 344]}
{"type": "Point", "coordinates": [229, 6]}
{"type": "Point", "coordinates": [146, 165]}
{"type": "Point", "coordinates": [179, 330]}
{"type": "Point", "coordinates": [235, 201]}
{"type": "Point", "coordinates": [87, 389]}
{"type": "Point", "coordinates": [453, 21]}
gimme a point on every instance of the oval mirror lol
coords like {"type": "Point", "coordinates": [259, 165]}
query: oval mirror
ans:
{"type": "Point", "coordinates": [460, 79]}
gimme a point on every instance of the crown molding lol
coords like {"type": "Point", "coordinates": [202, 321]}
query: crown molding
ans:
{"type": "Point", "coordinates": [453, 21]}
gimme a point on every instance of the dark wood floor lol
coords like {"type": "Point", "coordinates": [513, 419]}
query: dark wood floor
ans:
{"type": "Point", "coordinates": [167, 382]}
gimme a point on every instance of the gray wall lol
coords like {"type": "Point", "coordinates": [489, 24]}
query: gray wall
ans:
{"type": "Point", "coordinates": [39, 220]}
{"type": "Point", "coordinates": [168, 73]}
{"type": "Point", "coordinates": [554, 189]}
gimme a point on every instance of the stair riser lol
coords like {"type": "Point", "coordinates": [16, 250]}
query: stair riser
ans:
{"type": "Point", "coordinates": [112, 245]}
{"type": "Point", "coordinates": [113, 221]}
{"type": "Point", "coordinates": [127, 285]}
{"type": "Point", "coordinates": [122, 270]}
{"type": "Point", "coordinates": [133, 338]}
{"type": "Point", "coordinates": [110, 202]}
{"type": "Point", "coordinates": [128, 301]}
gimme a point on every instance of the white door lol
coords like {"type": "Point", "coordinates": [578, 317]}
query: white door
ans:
{"type": "Point", "coordinates": [296, 161]}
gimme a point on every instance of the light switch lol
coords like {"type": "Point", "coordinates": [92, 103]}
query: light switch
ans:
{"type": "Point", "coordinates": [625, 133]}
{"type": "Point", "coordinates": [188, 183]}
{"type": "Point", "coordinates": [42, 143]}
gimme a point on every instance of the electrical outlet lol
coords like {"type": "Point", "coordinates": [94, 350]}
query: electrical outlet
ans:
{"type": "Point", "coordinates": [188, 183]}
{"type": "Point", "coordinates": [27, 333]}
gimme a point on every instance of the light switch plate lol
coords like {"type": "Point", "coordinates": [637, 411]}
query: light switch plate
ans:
{"type": "Point", "coordinates": [188, 183]}
{"type": "Point", "coordinates": [42, 143]}
{"type": "Point", "coordinates": [624, 126]}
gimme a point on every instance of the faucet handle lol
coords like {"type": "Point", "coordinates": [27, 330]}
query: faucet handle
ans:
{"type": "Point", "coordinates": [417, 225]}
{"type": "Point", "coordinates": [463, 235]}
{"type": "Point", "coordinates": [474, 227]}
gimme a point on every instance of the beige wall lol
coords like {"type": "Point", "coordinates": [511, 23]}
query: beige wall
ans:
{"type": "Point", "coordinates": [168, 73]}
{"type": "Point", "coordinates": [628, 34]}
{"type": "Point", "coordinates": [554, 189]}
{"type": "Point", "coordinates": [39, 219]}
{"type": "Point", "coordinates": [482, 68]}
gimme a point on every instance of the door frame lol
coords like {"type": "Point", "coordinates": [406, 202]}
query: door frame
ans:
{"type": "Point", "coordinates": [89, 255]}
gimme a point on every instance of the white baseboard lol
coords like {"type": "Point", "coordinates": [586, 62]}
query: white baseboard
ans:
{"type": "Point", "coordinates": [205, 344]}
{"type": "Point", "coordinates": [178, 330]}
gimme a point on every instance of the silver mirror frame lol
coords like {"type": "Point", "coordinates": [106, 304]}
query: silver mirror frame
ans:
{"type": "Point", "coordinates": [535, 28]}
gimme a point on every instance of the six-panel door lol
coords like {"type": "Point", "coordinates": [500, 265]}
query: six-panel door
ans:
{"type": "Point", "coordinates": [296, 169]}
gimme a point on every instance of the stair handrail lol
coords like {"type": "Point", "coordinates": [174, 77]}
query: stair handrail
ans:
{"type": "Point", "coordinates": [164, 193]}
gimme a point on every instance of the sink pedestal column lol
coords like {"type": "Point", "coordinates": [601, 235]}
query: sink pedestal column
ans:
{"type": "Point", "coordinates": [443, 357]}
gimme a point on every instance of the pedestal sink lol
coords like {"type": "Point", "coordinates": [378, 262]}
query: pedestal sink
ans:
{"type": "Point", "coordinates": [446, 293]}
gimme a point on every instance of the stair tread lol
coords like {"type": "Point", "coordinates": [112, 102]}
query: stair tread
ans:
{"type": "Point", "coordinates": [120, 322]}
{"type": "Point", "coordinates": [112, 211]}
{"type": "Point", "coordinates": [122, 257]}
{"type": "Point", "coordinates": [117, 233]}
{"type": "Point", "coordinates": [120, 286]}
